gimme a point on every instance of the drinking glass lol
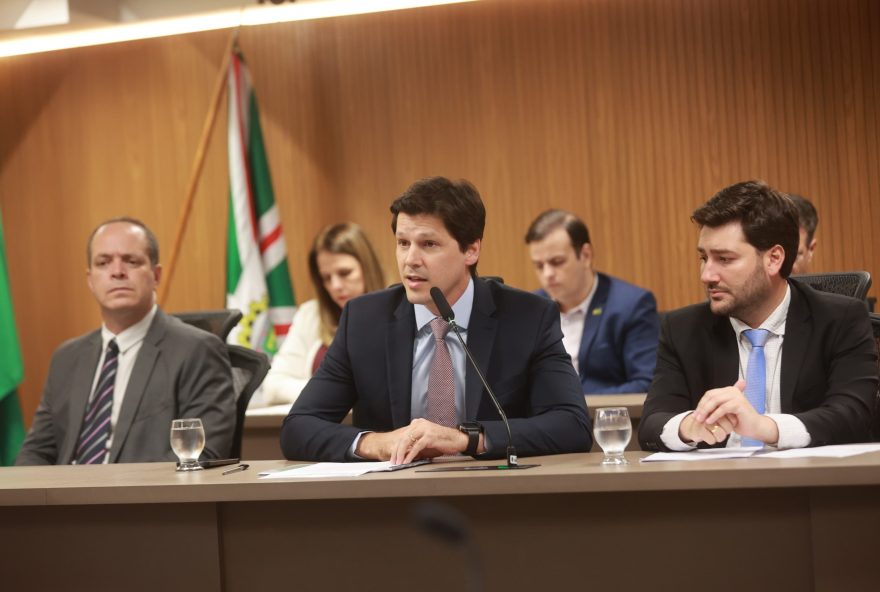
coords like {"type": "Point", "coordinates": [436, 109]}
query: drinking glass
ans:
{"type": "Point", "coordinates": [613, 430]}
{"type": "Point", "coordinates": [187, 442]}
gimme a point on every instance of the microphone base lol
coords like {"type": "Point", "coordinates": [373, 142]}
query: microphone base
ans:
{"type": "Point", "coordinates": [516, 466]}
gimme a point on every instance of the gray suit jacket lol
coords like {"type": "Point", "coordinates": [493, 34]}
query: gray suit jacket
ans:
{"type": "Point", "coordinates": [180, 372]}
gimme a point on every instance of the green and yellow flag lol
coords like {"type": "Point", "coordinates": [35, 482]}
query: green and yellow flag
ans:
{"type": "Point", "coordinates": [11, 370]}
{"type": "Point", "coordinates": [257, 278]}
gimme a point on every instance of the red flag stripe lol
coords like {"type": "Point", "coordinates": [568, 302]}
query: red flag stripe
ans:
{"type": "Point", "coordinates": [270, 238]}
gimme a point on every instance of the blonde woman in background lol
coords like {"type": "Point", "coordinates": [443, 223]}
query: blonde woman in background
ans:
{"type": "Point", "coordinates": [342, 265]}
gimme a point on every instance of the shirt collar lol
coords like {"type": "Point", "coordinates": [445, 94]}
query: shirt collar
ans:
{"type": "Point", "coordinates": [775, 323]}
{"type": "Point", "coordinates": [131, 336]}
{"type": "Point", "coordinates": [583, 306]}
{"type": "Point", "coordinates": [461, 308]}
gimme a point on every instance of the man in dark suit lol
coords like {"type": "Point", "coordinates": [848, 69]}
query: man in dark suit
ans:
{"type": "Point", "coordinates": [808, 220]}
{"type": "Point", "coordinates": [412, 393]}
{"type": "Point", "coordinates": [766, 361]}
{"type": "Point", "coordinates": [110, 395]}
{"type": "Point", "coordinates": [610, 327]}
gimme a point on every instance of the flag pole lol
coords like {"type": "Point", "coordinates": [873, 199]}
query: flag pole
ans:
{"type": "Point", "coordinates": [198, 165]}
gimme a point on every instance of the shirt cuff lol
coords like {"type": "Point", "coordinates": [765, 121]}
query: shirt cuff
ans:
{"type": "Point", "coordinates": [354, 446]}
{"type": "Point", "coordinates": [792, 431]}
{"type": "Point", "coordinates": [669, 435]}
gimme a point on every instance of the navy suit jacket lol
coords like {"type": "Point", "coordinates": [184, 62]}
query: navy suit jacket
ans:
{"type": "Point", "coordinates": [619, 344]}
{"type": "Point", "coordinates": [516, 341]}
{"type": "Point", "coordinates": [829, 366]}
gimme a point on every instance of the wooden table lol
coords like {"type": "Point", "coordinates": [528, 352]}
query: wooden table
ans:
{"type": "Point", "coordinates": [260, 439]}
{"type": "Point", "coordinates": [748, 524]}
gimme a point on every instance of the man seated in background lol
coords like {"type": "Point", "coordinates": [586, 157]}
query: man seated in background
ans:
{"type": "Point", "coordinates": [404, 375]}
{"type": "Point", "coordinates": [808, 220]}
{"type": "Point", "coordinates": [767, 360]}
{"type": "Point", "coordinates": [111, 395]}
{"type": "Point", "coordinates": [610, 327]}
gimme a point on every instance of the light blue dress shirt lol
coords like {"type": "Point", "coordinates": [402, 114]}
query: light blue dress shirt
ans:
{"type": "Point", "coordinates": [423, 353]}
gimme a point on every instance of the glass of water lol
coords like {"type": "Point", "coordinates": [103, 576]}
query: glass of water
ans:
{"type": "Point", "coordinates": [612, 430]}
{"type": "Point", "coordinates": [187, 442]}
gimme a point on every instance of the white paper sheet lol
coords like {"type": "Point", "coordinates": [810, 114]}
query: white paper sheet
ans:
{"type": "Point", "coordinates": [327, 469]}
{"type": "Point", "coordinates": [837, 451]}
{"type": "Point", "coordinates": [703, 454]}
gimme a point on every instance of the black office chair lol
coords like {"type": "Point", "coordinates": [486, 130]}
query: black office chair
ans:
{"type": "Point", "coordinates": [849, 283]}
{"type": "Point", "coordinates": [249, 368]}
{"type": "Point", "coordinates": [219, 322]}
{"type": "Point", "coordinates": [875, 325]}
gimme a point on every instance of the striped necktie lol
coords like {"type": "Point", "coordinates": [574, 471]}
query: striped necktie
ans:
{"type": "Point", "coordinates": [441, 380]}
{"type": "Point", "coordinates": [92, 446]}
{"type": "Point", "coordinates": [756, 375]}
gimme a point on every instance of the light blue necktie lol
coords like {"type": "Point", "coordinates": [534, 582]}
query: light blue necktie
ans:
{"type": "Point", "coordinates": [756, 375]}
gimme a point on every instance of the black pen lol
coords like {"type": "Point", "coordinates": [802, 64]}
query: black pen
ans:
{"type": "Point", "coordinates": [241, 467]}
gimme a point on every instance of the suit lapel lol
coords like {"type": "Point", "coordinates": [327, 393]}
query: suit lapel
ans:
{"type": "Point", "coordinates": [80, 390]}
{"type": "Point", "coordinates": [480, 336]}
{"type": "Point", "coordinates": [593, 319]}
{"type": "Point", "coordinates": [399, 360]}
{"type": "Point", "coordinates": [137, 383]}
{"type": "Point", "coordinates": [797, 336]}
{"type": "Point", "coordinates": [725, 353]}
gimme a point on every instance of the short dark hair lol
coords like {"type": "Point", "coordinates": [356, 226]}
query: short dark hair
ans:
{"type": "Point", "coordinates": [550, 220]}
{"type": "Point", "coordinates": [152, 241]}
{"type": "Point", "coordinates": [808, 218]}
{"type": "Point", "coordinates": [456, 203]}
{"type": "Point", "coordinates": [768, 217]}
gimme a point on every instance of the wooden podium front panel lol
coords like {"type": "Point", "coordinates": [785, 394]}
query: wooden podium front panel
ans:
{"type": "Point", "coordinates": [141, 547]}
{"type": "Point", "coordinates": [753, 539]}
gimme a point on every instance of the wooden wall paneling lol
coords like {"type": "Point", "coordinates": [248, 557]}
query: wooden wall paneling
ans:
{"type": "Point", "coordinates": [629, 113]}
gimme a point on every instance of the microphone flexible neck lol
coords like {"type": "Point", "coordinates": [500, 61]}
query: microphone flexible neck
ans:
{"type": "Point", "coordinates": [511, 451]}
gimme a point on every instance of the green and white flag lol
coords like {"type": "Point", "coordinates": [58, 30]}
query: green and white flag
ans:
{"type": "Point", "coordinates": [257, 278]}
{"type": "Point", "coordinates": [11, 370]}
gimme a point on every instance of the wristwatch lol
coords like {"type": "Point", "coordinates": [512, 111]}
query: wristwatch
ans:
{"type": "Point", "coordinates": [473, 431]}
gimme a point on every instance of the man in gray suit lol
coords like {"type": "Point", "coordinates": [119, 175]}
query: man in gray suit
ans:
{"type": "Point", "coordinates": [110, 395]}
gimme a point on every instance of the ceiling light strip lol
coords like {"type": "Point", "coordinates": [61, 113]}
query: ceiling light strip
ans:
{"type": "Point", "coordinates": [226, 19]}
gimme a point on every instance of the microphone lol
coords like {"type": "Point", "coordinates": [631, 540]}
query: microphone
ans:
{"type": "Point", "coordinates": [449, 316]}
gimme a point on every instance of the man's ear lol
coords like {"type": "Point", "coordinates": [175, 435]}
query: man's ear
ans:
{"type": "Point", "coordinates": [587, 253]}
{"type": "Point", "coordinates": [472, 252]}
{"type": "Point", "coordinates": [774, 257]}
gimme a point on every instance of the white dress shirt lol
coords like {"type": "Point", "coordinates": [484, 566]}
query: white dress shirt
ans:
{"type": "Point", "coordinates": [129, 343]}
{"type": "Point", "coordinates": [572, 324]}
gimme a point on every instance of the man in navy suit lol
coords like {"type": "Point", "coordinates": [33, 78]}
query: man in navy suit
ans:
{"type": "Point", "coordinates": [610, 326]}
{"type": "Point", "coordinates": [409, 386]}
